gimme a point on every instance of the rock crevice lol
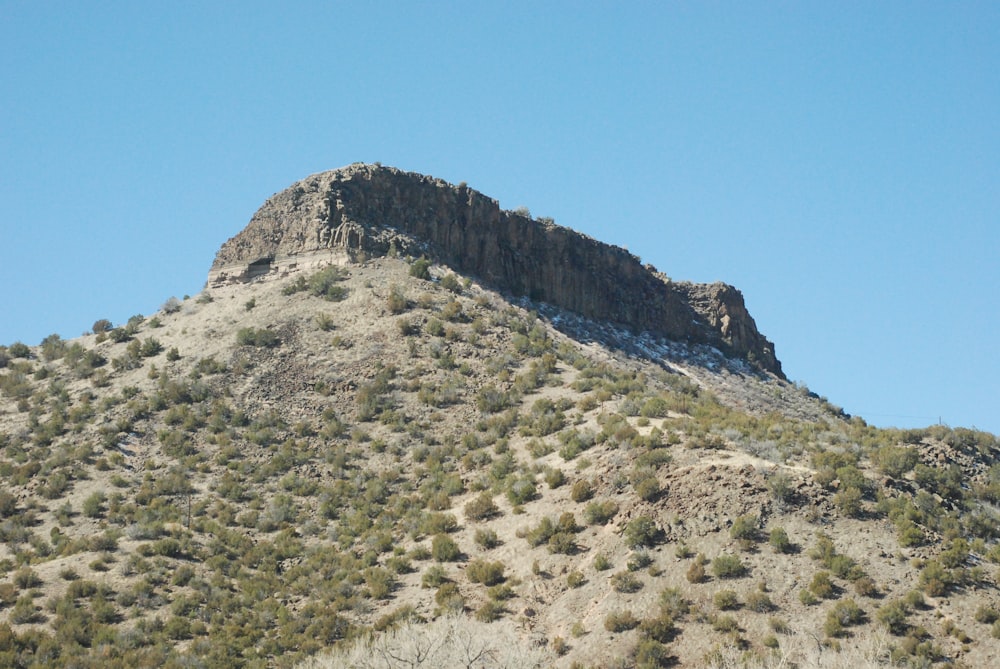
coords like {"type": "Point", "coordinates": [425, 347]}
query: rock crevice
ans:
{"type": "Point", "coordinates": [375, 210]}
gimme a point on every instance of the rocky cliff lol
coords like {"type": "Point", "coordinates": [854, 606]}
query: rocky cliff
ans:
{"type": "Point", "coordinates": [375, 210]}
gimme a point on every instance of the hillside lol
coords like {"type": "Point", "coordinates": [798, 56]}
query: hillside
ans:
{"type": "Point", "coordinates": [332, 441]}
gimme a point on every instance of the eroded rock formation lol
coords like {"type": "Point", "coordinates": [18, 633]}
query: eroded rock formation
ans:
{"type": "Point", "coordinates": [376, 210]}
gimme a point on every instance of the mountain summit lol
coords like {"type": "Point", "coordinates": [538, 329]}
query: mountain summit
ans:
{"type": "Point", "coordinates": [371, 210]}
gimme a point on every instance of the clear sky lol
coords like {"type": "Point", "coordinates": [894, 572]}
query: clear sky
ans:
{"type": "Point", "coordinates": [837, 162]}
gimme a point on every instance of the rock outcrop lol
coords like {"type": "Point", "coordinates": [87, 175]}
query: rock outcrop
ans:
{"type": "Point", "coordinates": [374, 210]}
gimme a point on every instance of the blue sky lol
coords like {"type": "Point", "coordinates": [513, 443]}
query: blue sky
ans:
{"type": "Point", "coordinates": [838, 162]}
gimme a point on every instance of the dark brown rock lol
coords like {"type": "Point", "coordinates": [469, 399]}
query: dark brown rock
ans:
{"type": "Point", "coordinates": [374, 210]}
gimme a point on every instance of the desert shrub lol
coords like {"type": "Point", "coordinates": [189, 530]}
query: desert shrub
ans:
{"type": "Point", "coordinates": [19, 350]}
{"type": "Point", "coordinates": [485, 572]}
{"type": "Point", "coordinates": [894, 616]}
{"type": "Point", "coordinates": [779, 625]}
{"type": "Point", "coordinates": [380, 582]}
{"type": "Point", "coordinates": [259, 337]}
{"type": "Point", "coordinates": [489, 611]}
{"type": "Point", "coordinates": [555, 477]}
{"type": "Point", "coordinates": [453, 312]}
{"type": "Point", "coordinates": [500, 592]}
{"type": "Point", "coordinates": [396, 301]}
{"type": "Point", "coordinates": [648, 489]}
{"type": "Point", "coordinates": [728, 566]}
{"type": "Point", "coordinates": [620, 621]}
{"type": "Point", "coordinates": [726, 600]}
{"type": "Point", "coordinates": [100, 326]}
{"type": "Point", "coordinates": [326, 283]}
{"type": "Point", "coordinates": [449, 598]}
{"type": "Point", "coordinates": [486, 538]}
{"type": "Point", "coordinates": [575, 579]}
{"type": "Point", "coordinates": [866, 587]}
{"type": "Point", "coordinates": [673, 604]}
{"type": "Point", "coordinates": [420, 269]}
{"type": "Point", "coordinates": [450, 282]}
{"type": "Point", "coordinates": [696, 572]}
{"type": "Point", "coordinates": [639, 560]}
{"type": "Point", "coordinates": [651, 654]}
{"type": "Point", "coordinates": [822, 586]}
{"type": "Point", "coordinates": [845, 567]}
{"type": "Point", "coordinates": [600, 512]}
{"type": "Point", "coordinates": [408, 327]}
{"type": "Point", "coordinates": [547, 529]}
{"type": "Point", "coordinates": [780, 542]}
{"type": "Point", "coordinates": [493, 400]}
{"type": "Point", "coordinates": [562, 542]}
{"type": "Point", "coordinates": [171, 306]}
{"type": "Point", "coordinates": [601, 562]}
{"type": "Point", "coordinates": [438, 523]}
{"type": "Point", "coordinates": [482, 507]}
{"type": "Point", "coordinates": [8, 595]}
{"type": "Point", "coordinates": [641, 531]}
{"type": "Point", "coordinates": [935, 579]}
{"type": "Point", "coordinates": [324, 322]}
{"type": "Point", "coordinates": [844, 614]}
{"type": "Point", "coordinates": [745, 530]}
{"type": "Point", "coordinates": [521, 490]}
{"type": "Point", "coordinates": [654, 458]}
{"type": "Point", "coordinates": [895, 461]}
{"type": "Point", "coordinates": [759, 602]}
{"type": "Point", "coordinates": [93, 506]}
{"type": "Point", "coordinates": [833, 460]}
{"type": "Point", "coordinates": [53, 347]}
{"type": "Point", "coordinates": [24, 611]}
{"type": "Point", "coordinates": [581, 491]}
{"type": "Point", "coordinates": [956, 554]}
{"type": "Point", "coordinates": [444, 549]}
{"type": "Point", "coordinates": [987, 614]}
{"type": "Point", "coordinates": [848, 501]}
{"type": "Point", "coordinates": [433, 576]}
{"type": "Point", "coordinates": [823, 550]}
{"type": "Point", "coordinates": [8, 504]}
{"type": "Point", "coordinates": [25, 578]}
{"type": "Point", "coordinates": [625, 581]}
{"type": "Point", "coordinates": [725, 624]}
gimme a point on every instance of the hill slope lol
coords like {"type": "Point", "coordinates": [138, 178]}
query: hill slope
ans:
{"type": "Point", "coordinates": [274, 468]}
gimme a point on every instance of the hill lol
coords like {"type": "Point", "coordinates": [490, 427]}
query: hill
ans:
{"type": "Point", "coordinates": [375, 429]}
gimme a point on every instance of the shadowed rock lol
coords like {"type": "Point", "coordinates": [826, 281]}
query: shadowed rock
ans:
{"type": "Point", "coordinates": [370, 210]}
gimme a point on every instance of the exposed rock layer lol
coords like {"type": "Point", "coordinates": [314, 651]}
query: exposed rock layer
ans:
{"type": "Point", "coordinates": [373, 210]}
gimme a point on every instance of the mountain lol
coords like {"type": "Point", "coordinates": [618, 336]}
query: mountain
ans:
{"type": "Point", "coordinates": [400, 418]}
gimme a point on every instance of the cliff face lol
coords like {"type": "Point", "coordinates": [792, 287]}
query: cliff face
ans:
{"type": "Point", "coordinates": [373, 209]}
